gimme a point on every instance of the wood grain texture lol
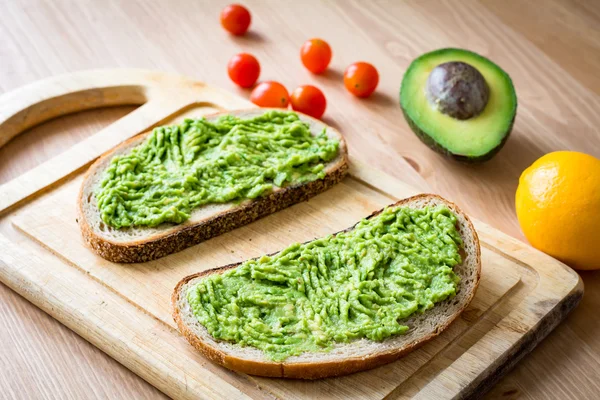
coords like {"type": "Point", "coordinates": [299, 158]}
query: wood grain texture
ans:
{"type": "Point", "coordinates": [41, 358]}
{"type": "Point", "coordinates": [124, 309]}
{"type": "Point", "coordinates": [565, 30]}
{"type": "Point", "coordinates": [556, 84]}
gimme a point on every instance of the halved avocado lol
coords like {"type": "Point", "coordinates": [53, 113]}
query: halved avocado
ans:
{"type": "Point", "coordinates": [459, 103]}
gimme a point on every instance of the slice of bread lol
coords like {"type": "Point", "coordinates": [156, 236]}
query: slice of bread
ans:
{"type": "Point", "coordinates": [345, 358]}
{"type": "Point", "coordinates": [140, 244]}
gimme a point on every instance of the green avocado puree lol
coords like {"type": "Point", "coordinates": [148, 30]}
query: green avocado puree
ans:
{"type": "Point", "coordinates": [181, 167]}
{"type": "Point", "coordinates": [356, 284]}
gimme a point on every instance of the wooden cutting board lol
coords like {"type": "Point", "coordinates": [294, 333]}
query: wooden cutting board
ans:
{"type": "Point", "coordinates": [125, 309]}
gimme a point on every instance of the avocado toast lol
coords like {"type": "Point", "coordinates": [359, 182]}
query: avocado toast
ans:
{"type": "Point", "coordinates": [402, 276]}
{"type": "Point", "coordinates": [163, 191]}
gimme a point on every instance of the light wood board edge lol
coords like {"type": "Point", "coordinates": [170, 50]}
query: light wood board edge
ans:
{"type": "Point", "coordinates": [111, 323]}
{"type": "Point", "coordinates": [162, 96]}
{"type": "Point", "coordinates": [558, 292]}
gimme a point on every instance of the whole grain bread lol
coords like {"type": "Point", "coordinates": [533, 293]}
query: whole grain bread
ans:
{"type": "Point", "coordinates": [140, 244]}
{"type": "Point", "coordinates": [345, 358]}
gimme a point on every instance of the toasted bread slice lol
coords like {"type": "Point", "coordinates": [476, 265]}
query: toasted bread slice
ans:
{"type": "Point", "coordinates": [345, 358]}
{"type": "Point", "coordinates": [140, 244]}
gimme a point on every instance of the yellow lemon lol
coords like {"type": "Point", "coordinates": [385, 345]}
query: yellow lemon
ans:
{"type": "Point", "coordinates": [558, 207]}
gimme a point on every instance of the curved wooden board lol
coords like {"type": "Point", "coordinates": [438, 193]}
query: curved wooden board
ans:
{"type": "Point", "coordinates": [524, 294]}
{"type": "Point", "coordinates": [60, 95]}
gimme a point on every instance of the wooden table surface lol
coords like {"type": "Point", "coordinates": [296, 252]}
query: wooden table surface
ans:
{"type": "Point", "coordinates": [551, 51]}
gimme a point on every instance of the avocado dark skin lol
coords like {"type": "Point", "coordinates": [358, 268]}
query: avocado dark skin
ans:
{"type": "Point", "coordinates": [459, 85]}
{"type": "Point", "coordinates": [433, 145]}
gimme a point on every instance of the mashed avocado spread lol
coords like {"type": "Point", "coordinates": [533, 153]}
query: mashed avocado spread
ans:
{"type": "Point", "coordinates": [357, 284]}
{"type": "Point", "coordinates": [181, 167]}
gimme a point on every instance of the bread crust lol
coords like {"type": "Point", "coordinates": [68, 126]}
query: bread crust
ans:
{"type": "Point", "coordinates": [160, 245]}
{"type": "Point", "coordinates": [316, 370]}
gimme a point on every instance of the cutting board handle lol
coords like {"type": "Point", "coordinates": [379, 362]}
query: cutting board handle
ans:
{"type": "Point", "coordinates": [161, 96]}
{"type": "Point", "coordinates": [38, 102]}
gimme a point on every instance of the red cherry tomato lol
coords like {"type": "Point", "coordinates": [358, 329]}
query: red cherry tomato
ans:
{"type": "Point", "coordinates": [315, 55]}
{"type": "Point", "coordinates": [243, 69]}
{"type": "Point", "coordinates": [309, 100]}
{"type": "Point", "coordinates": [270, 94]}
{"type": "Point", "coordinates": [361, 79]}
{"type": "Point", "coordinates": [235, 19]}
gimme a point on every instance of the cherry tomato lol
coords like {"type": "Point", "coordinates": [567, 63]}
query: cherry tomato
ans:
{"type": "Point", "coordinates": [309, 100]}
{"type": "Point", "coordinates": [361, 79]}
{"type": "Point", "coordinates": [243, 69]}
{"type": "Point", "coordinates": [315, 55]}
{"type": "Point", "coordinates": [235, 19]}
{"type": "Point", "coordinates": [270, 94]}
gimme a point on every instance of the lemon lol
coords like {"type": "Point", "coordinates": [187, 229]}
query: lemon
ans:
{"type": "Point", "coordinates": [558, 207]}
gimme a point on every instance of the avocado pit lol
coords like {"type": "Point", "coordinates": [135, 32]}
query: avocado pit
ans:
{"type": "Point", "coordinates": [458, 90]}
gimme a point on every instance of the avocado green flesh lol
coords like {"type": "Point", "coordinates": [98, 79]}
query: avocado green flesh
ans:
{"type": "Point", "coordinates": [474, 137]}
{"type": "Point", "coordinates": [357, 284]}
{"type": "Point", "coordinates": [181, 167]}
